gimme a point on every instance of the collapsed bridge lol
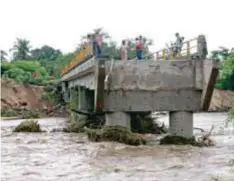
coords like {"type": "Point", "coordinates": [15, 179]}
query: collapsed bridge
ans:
{"type": "Point", "coordinates": [180, 85]}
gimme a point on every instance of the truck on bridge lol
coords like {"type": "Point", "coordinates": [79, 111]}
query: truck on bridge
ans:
{"type": "Point", "coordinates": [180, 85]}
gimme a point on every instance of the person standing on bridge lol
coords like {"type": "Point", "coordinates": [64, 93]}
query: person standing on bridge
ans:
{"type": "Point", "coordinates": [98, 43]}
{"type": "Point", "coordinates": [139, 47]}
{"type": "Point", "coordinates": [90, 42]}
{"type": "Point", "coordinates": [124, 50]}
{"type": "Point", "coordinates": [178, 44]}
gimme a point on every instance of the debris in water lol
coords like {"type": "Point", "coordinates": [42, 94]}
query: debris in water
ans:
{"type": "Point", "coordinates": [115, 133]}
{"type": "Point", "coordinates": [28, 126]}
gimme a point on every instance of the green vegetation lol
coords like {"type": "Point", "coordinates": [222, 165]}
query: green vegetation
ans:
{"type": "Point", "coordinates": [8, 113]}
{"type": "Point", "coordinates": [53, 93]}
{"type": "Point", "coordinates": [21, 49]}
{"type": "Point", "coordinates": [180, 140]}
{"type": "Point", "coordinates": [3, 55]}
{"type": "Point", "coordinates": [226, 73]}
{"type": "Point", "coordinates": [28, 126]}
{"type": "Point", "coordinates": [231, 114]}
{"type": "Point", "coordinates": [115, 133]}
{"type": "Point", "coordinates": [24, 114]}
{"type": "Point", "coordinates": [177, 140]}
{"type": "Point", "coordinates": [28, 114]}
{"type": "Point", "coordinates": [22, 72]}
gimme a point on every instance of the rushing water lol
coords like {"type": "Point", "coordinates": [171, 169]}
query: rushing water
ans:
{"type": "Point", "coordinates": [53, 156]}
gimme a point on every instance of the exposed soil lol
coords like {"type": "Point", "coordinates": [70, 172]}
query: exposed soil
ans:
{"type": "Point", "coordinates": [18, 97]}
{"type": "Point", "coordinates": [21, 96]}
{"type": "Point", "coordinates": [221, 100]}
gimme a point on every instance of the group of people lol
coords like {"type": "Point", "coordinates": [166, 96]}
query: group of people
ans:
{"type": "Point", "coordinates": [96, 40]}
{"type": "Point", "coordinates": [139, 45]}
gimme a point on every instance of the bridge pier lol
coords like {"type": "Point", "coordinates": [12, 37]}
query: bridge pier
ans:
{"type": "Point", "coordinates": [82, 98]}
{"type": "Point", "coordinates": [181, 123]}
{"type": "Point", "coordinates": [90, 100]}
{"type": "Point", "coordinates": [118, 118]}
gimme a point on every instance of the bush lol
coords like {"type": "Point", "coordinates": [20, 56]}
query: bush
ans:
{"type": "Point", "coordinates": [231, 113]}
{"type": "Point", "coordinates": [177, 140]}
{"type": "Point", "coordinates": [5, 67]}
{"type": "Point", "coordinates": [8, 113]}
{"type": "Point", "coordinates": [21, 71]}
{"type": "Point", "coordinates": [30, 114]}
{"type": "Point", "coordinates": [115, 133]}
{"type": "Point", "coordinates": [28, 126]}
{"type": "Point", "coordinates": [226, 79]}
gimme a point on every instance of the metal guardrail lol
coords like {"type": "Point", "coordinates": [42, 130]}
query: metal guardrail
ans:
{"type": "Point", "coordinates": [85, 52]}
{"type": "Point", "coordinates": [168, 54]}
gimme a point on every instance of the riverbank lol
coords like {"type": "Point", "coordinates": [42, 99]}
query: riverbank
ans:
{"type": "Point", "coordinates": [25, 101]}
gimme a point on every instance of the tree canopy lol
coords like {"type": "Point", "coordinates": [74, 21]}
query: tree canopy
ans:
{"type": "Point", "coordinates": [21, 49]}
{"type": "Point", "coordinates": [3, 55]}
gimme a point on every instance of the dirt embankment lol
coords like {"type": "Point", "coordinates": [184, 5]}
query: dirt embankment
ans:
{"type": "Point", "coordinates": [222, 100]}
{"type": "Point", "coordinates": [22, 96]}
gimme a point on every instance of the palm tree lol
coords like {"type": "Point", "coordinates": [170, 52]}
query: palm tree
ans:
{"type": "Point", "coordinates": [2, 55]}
{"type": "Point", "coordinates": [21, 49]}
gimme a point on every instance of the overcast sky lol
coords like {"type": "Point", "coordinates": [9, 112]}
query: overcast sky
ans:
{"type": "Point", "coordinates": [60, 23]}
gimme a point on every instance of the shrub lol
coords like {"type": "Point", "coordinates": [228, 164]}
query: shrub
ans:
{"type": "Point", "coordinates": [28, 126]}
{"type": "Point", "coordinates": [30, 114]}
{"type": "Point", "coordinates": [115, 133]}
{"type": "Point", "coordinates": [231, 113]}
{"type": "Point", "coordinates": [8, 113]}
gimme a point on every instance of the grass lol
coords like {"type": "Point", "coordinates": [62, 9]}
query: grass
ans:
{"type": "Point", "coordinates": [24, 114]}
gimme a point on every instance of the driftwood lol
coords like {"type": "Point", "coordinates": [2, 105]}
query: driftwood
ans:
{"type": "Point", "coordinates": [202, 130]}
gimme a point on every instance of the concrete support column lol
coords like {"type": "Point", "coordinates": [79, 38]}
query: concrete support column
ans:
{"type": "Point", "coordinates": [181, 123]}
{"type": "Point", "coordinates": [90, 100]}
{"type": "Point", "coordinates": [201, 47]}
{"type": "Point", "coordinates": [118, 118]}
{"type": "Point", "coordinates": [82, 98]}
{"type": "Point", "coordinates": [65, 90]}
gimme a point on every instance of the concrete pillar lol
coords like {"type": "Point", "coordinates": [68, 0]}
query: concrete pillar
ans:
{"type": "Point", "coordinates": [202, 47]}
{"type": "Point", "coordinates": [82, 98]}
{"type": "Point", "coordinates": [181, 123]}
{"type": "Point", "coordinates": [90, 100]}
{"type": "Point", "coordinates": [118, 118]}
{"type": "Point", "coordinates": [65, 90]}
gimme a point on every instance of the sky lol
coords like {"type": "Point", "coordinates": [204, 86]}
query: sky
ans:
{"type": "Point", "coordinates": [61, 23]}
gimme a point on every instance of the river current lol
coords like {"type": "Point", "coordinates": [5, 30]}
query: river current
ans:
{"type": "Point", "coordinates": [57, 156]}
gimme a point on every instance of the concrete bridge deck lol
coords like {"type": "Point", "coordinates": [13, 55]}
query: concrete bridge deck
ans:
{"type": "Point", "coordinates": [122, 87]}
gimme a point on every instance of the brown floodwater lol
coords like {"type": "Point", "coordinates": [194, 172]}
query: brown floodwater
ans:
{"type": "Point", "coordinates": [53, 156]}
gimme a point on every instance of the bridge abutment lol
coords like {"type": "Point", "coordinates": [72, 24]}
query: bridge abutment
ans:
{"type": "Point", "coordinates": [181, 123]}
{"type": "Point", "coordinates": [118, 118]}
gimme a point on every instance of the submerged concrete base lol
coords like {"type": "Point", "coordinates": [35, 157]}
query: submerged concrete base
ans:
{"type": "Point", "coordinates": [181, 123]}
{"type": "Point", "coordinates": [118, 118]}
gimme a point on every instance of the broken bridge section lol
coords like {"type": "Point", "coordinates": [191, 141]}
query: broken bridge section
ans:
{"type": "Point", "coordinates": [119, 88]}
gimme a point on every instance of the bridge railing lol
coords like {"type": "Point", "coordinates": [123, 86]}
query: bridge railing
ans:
{"type": "Point", "coordinates": [167, 53]}
{"type": "Point", "coordinates": [196, 46]}
{"type": "Point", "coordinates": [85, 52]}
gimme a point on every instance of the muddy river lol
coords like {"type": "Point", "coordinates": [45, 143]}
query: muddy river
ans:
{"type": "Point", "coordinates": [53, 156]}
